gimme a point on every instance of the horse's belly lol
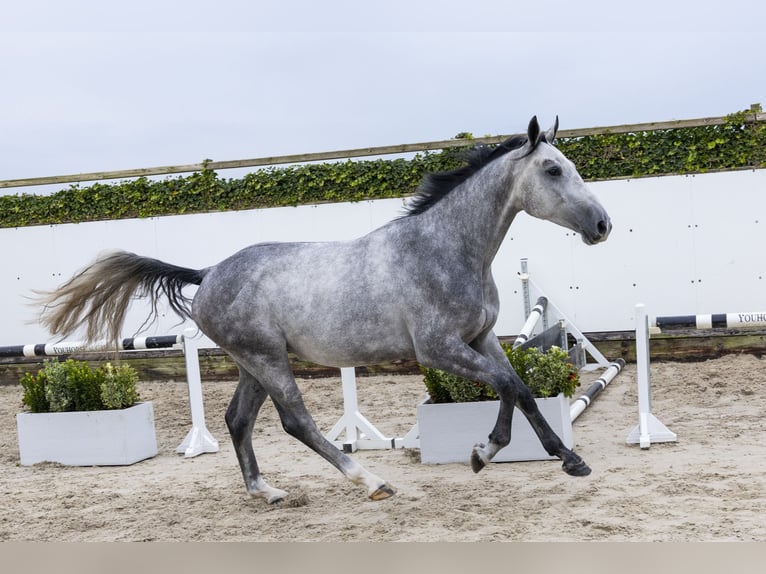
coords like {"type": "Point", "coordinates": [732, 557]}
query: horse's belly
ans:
{"type": "Point", "coordinates": [350, 349]}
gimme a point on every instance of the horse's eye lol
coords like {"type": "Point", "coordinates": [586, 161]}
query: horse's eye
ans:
{"type": "Point", "coordinates": [554, 170]}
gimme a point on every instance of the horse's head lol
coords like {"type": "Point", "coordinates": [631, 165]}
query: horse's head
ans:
{"type": "Point", "coordinates": [549, 187]}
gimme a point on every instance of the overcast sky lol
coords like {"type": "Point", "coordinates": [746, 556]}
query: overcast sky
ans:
{"type": "Point", "coordinates": [94, 85]}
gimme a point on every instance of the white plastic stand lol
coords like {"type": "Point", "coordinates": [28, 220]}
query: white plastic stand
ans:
{"type": "Point", "coordinates": [649, 428]}
{"type": "Point", "coordinates": [199, 440]}
{"type": "Point", "coordinates": [360, 433]}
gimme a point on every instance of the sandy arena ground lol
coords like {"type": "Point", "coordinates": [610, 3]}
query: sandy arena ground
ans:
{"type": "Point", "coordinates": [708, 486]}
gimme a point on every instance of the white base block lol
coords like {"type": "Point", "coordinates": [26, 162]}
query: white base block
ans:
{"type": "Point", "coordinates": [448, 431]}
{"type": "Point", "coordinates": [88, 438]}
{"type": "Point", "coordinates": [650, 430]}
{"type": "Point", "coordinates": [198, 441]}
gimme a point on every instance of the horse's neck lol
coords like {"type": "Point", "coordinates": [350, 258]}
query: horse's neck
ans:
{"type": "Point", "coordinates": [475, 216]}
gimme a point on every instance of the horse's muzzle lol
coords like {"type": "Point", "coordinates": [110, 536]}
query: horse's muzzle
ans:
{"type": "Point", "coordinates": [598, 233]}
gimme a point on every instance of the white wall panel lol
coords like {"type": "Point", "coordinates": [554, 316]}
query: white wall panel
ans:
{"type": "Point", "coordinates": [680, 244]}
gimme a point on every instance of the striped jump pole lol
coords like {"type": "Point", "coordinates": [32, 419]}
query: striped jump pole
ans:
{"type": "Point", "coordinates": [529, 325]}
{"type": "Point", "coordinates": [584, 400]}
{"type": "Point", "coordinates": [712, 321]}
{"type": "Point", "coordinates": [68, 347]}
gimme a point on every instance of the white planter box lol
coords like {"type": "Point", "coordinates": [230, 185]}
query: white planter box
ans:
{"type": "Point", "coordinates": [448, 431]}
{"type": "Point", "coordinates": [88, 438]}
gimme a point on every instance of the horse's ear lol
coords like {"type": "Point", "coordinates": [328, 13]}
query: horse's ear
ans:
{"type": "Point", "coordinates": [533, 131]}
{"type": "Point", "coordinates": [550, 135]}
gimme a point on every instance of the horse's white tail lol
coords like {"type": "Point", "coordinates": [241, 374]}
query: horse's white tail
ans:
{"type": "Point", "coordinates": [98, 296]}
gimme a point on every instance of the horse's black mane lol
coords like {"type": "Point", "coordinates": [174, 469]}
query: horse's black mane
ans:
{"type": "Point", "coordinates": [436, 185]}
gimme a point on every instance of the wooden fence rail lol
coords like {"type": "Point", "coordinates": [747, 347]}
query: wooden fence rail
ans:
{"type": "Point", "coordinates": [756, 116]}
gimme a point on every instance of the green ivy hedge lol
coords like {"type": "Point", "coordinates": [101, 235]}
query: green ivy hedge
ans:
{"type": "Point", "coordinates": [734, 145]}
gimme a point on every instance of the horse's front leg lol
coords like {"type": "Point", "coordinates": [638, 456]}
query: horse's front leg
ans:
{"type": "Point", "coordinates": [484, 360]}
{"type": "Point", "coordinates": [500, 436]}
{"type": "Point", "coordinates": [478, 361]}
{"type": "Point", "coordinates": [573, 464]}
{"type": "Point", "coordinates": [521, 395]}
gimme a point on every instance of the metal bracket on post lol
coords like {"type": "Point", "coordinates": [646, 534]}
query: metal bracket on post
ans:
{"type": "Point", "coordinates": [360, 433]}
{"type": "Point", "coordinates": [563, 333]}
{"type": "Point", "coordinates": [649, 428]}
{"type": "Point", "coordinates": [524, 276]}
{"type": "Point", "coordinates": [199, 440]}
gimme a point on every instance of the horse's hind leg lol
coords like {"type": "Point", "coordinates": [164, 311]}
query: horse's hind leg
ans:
{"type": "Point", "coordinates": [297, 421]}
{"type": "Point", "coordinates": [277, 379]}
{"type": "Point", "coordinates": [240, 419]}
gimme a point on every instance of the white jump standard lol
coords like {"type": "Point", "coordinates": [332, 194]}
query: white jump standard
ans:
{"type": "Point", "coordinates": [360, 433]}
{"type": "Point", "coordinates": [649, 428]}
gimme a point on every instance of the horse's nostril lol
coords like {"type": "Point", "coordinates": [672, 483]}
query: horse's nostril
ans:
{"type": "Point", "coordinates": [602, 227]}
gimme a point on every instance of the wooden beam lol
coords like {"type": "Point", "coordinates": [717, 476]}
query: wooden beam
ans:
{"type": "Point", "coordinates": [753, 117]}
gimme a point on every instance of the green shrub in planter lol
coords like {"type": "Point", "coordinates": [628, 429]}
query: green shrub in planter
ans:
{"type": "Point", "coordinates": [75, 386]}
{"type": "Point", "coordinates": [118, 390]}
{"type": "Point", "coordinates": [545, 374]}
{"type": "Point", "coordinates": [34, 392]}
{"type": "Point", "coordinates": [445, 387]}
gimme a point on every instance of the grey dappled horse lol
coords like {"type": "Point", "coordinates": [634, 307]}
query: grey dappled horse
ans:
{"type": "Point", "coordinates": [419, 287]}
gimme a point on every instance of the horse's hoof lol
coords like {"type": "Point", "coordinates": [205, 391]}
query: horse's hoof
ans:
{"type": "Point", "coordinates": [477, 460]}
{"type": "Point", "coordinates": [385, 491]}
{"type": "Point", "coordinates": [579, 468]}
{"type": "Point", "coordinates": [269, 494]}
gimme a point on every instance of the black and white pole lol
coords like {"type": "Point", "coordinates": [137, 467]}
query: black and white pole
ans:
{"type": "Point", "coordinates": [529, 325]}
{"type": "Point", "coordinates": [584, 400]}
{"type": "Point", "coordinates": [712, 321]}
{"type": "Point", "coordinates": [68, 347]}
